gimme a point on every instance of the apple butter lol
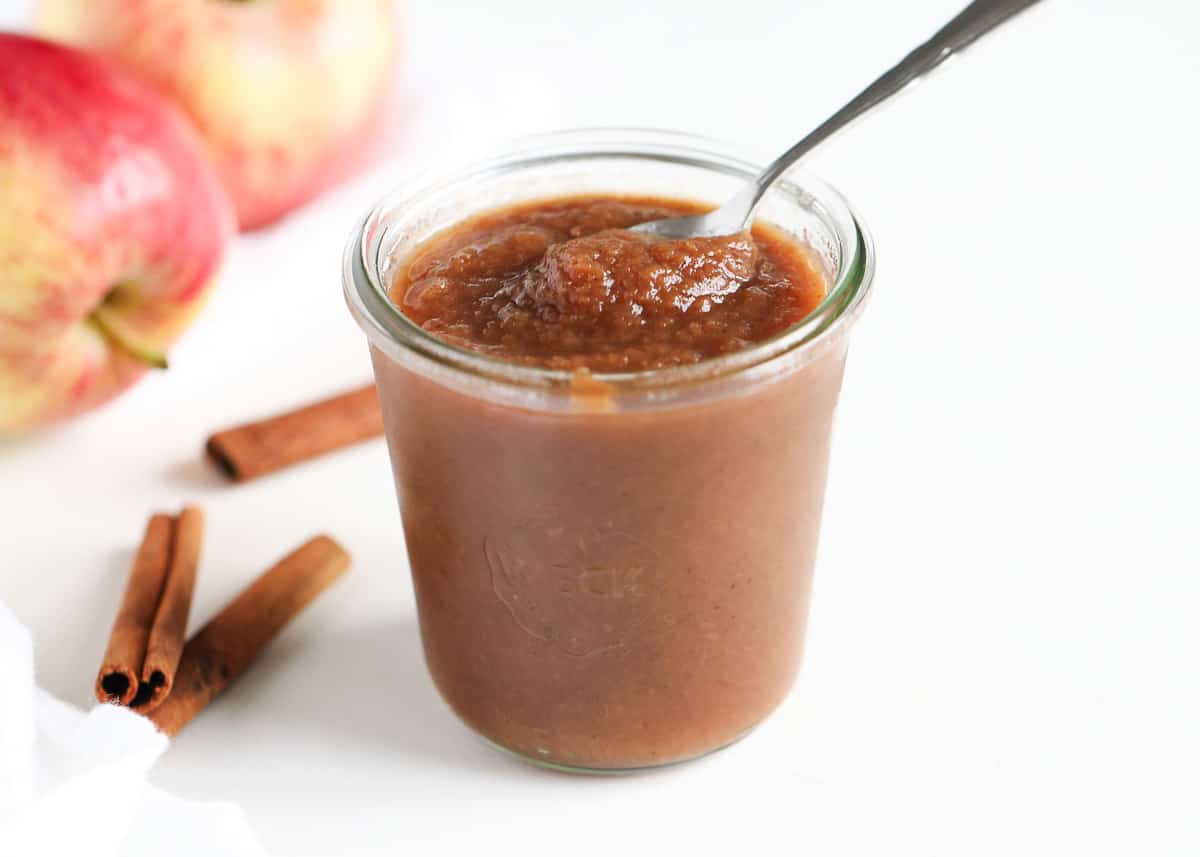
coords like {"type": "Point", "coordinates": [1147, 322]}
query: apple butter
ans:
{"type": "Point", "coordinates": [605, 588]}
{"type": "Point", "coordinates": [566, 285]}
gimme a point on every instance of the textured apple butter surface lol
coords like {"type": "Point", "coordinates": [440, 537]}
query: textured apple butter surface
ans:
{"type": "Point", "coordinates": [565, 284]}
{"type": "Point", "coordinates": [613, 589]}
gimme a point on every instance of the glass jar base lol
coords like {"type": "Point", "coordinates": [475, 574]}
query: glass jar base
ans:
{"type": "Point", "coordinates": [562, 767]}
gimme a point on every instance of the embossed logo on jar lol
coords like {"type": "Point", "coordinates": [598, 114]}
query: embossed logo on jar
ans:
{"type": "Point", "coordinates": [583, 593]}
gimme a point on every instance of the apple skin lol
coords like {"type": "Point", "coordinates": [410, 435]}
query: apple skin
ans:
{"type": "Point", "coordinates": [112, 230]}
{"type": "Point", "coordinates": [287, 93]}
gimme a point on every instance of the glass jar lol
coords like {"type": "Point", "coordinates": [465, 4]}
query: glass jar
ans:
{"type": "Point", "coordinates": [611, 572]}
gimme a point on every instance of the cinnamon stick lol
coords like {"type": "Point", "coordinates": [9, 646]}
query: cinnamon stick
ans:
{"type": "Point", "coordinates": [228, 644]}
{"type": "Point", "coordinates": [122, 664]}
{"type": "Point", "coordinates": [165, 644]}
{"type": "Point", "coordinates": [259, 448]}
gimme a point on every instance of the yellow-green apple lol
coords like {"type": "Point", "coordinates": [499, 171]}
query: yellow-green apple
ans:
{"type": "Point", "coordinates": [286, 93]}
{"type": "Point", "coordinates": [112, 228]}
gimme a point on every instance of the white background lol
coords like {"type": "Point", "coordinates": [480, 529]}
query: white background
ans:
{"type": "Point", "coordinates": [1004, 645]}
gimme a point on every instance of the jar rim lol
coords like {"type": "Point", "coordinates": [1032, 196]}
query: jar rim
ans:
{"type": "Point", "coordinates": [366, 292]}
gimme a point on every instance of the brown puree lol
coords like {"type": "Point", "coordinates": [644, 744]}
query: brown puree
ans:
{"type": "Point", "coordinates": [620, 589]}
{"type": "Point", "coordinates": [563, 283]}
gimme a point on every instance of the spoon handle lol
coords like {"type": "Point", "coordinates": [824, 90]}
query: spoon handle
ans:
{"type": "Point", "coordinates": [971, 23]}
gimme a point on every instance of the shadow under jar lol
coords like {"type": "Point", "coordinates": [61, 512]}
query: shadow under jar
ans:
{"type": "Point", "coordinates": [612, 571]}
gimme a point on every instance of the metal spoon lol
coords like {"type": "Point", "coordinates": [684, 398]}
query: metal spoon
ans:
{"type": "Point", "coordinates": [971, 23]}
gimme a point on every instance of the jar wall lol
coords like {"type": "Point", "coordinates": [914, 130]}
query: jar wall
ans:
{"type": "Point", "coordinates": [612, 590]}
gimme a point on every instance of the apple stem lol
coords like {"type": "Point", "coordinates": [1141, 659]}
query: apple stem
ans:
{"type": "Point", "coordinates": [111, 328]}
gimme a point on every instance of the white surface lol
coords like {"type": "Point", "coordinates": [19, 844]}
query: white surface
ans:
{"type": "Point", "coordinates": [1003, 649]}
{"type": "Point", "coordinates": [75, 783]}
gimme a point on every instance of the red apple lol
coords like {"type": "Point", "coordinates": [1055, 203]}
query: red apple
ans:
{"type": "Point", "coordinates": [285, 92]}
{"type": "Point", "coordinates": [112, 228]}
